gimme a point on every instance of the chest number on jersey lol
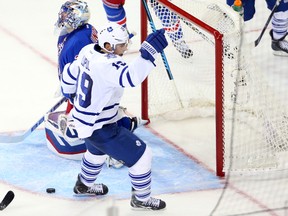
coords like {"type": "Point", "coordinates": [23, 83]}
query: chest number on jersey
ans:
{"type": "Point", "coordinates": [86, 88]}
{"type": "Point", "coordinates": [118, 64]}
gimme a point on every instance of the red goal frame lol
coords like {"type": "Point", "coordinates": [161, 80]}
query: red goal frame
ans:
{"type": "Point", "coordinates": [219, 88]}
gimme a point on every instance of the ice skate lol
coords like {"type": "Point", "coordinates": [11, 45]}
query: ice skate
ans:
{"type": "Point", "coordinates": [150, 204]}
{"type": "Point", "coordinates": [96, 189]}
{"type": "Point", "coordinates": [280, 46]}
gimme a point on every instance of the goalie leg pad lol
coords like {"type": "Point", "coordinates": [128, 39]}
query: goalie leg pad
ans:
{"type": "Point", "coordinates": [71, 148]}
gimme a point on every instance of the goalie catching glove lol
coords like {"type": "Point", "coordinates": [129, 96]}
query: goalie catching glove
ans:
{"type": "Point", "coordinates": [154, 44]}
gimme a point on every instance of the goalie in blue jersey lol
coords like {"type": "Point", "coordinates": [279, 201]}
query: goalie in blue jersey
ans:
{"type": "Point", "coordinates": [102, 76]}
{"type": "Point", "coordinates": [74, 33]}
{"type": "Point", "coordinates": [279, 29]}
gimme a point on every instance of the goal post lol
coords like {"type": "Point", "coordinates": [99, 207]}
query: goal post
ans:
{"type": "Point", "coordinates": [144, 85]}
{"type": "Point", "coordinates": [198, 26]}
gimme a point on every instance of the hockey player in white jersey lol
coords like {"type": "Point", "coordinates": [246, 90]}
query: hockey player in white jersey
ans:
{"type": "Point", "coordinates": [74, 33]}
{"type": "Point", "coordinates": [103, 75]}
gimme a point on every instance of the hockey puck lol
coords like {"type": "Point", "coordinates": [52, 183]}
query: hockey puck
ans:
{"type": "Point", "coordinates": [50, 190]}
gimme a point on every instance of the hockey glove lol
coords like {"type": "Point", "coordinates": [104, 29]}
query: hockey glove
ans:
{"type": "Point", "coordinates": [154, 43]}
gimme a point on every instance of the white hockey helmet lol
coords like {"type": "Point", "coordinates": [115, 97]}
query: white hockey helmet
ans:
{"type": "Point", "coordinates": [72, 14]}
{"type": "Point", "coordinates": [113, 34]}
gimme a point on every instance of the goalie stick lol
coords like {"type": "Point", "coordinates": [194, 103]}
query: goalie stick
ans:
{"type": "Point", "coordinates": [152, 25]}
{"type": "Point", "coordinates": [21, 137]}
{"type": "Point", "coordinates": [257, 41]}
{"type": "Point", "coordinates": [7, 200]}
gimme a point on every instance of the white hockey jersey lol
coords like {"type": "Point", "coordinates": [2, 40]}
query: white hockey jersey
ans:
{"type": "Point", "coordinates": [99, 79]}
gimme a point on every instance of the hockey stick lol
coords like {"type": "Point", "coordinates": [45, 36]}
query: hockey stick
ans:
{"type": "Point", "coordinates": [257, 41]}
{"type": "Point", "coordinates": [21, 137]}
{"type": "Point", "coordinates": [7, 200]}
{"type": "Point", "coordinates": [152, 25]}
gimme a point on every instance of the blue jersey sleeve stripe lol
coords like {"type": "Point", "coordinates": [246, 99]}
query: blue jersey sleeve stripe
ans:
{"type": "Point", "coordinates": [70, 75]}
{"type": "Point", "coordinates": [111, 107]}
{"type": "Point", "coordinates": [129, 79]}
{"type": "Point", "coordinates": [67, 83]}
{"type": "Point", "coordinates": [106, 119]}
{"type": "Point", "coordinates": [86, 113]}
{"type": "Point", "coordinates": [121, 76]}
{"type": "Point", "coordinates": [83, 122]}
{"type": "Point", "coordinates": [96, 114]}
{"type": "Point", "coordinates": [97, 121]}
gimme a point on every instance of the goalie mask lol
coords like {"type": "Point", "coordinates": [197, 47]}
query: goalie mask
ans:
{"type": "Point", "coordinates": [72, 15]}
{"type": "Point", "coordinates": [113, 34]}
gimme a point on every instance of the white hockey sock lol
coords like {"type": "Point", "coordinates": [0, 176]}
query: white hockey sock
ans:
{"type": "Point", "coordinates": [140, 174]}
{"type": "Point", "coordinates": [91, 166]}
{"type": "Point", "coordinates": [279, 24]}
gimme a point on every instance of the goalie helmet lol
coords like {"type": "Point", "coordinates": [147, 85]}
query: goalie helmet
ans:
{"type": "Point", "coordinates": [72, 14]}
{"type": "Point", "coordinates": [113, 34]}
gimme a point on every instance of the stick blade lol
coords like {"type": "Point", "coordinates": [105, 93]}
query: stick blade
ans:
{"type": "Point", "coordinates": [7, 200]}
{"type": "Point", "coordinates": [256, 42]}
{"type": "Point", "coordinates": [12, 138]}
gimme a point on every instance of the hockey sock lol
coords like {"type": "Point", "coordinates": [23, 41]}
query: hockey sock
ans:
{"type": "Point", "coordinates": [91, 166]}
{"type": "Point", "coordinates": [279, 25]}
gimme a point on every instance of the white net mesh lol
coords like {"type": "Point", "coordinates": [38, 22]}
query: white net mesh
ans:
{"type": "Point", "coordinates": [255, 119]}
{"type": "Point", "coordinates": [256, 131]}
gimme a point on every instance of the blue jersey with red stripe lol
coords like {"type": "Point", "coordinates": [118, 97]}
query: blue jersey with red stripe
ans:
{"type": "Point", "coordinates": [69, 45]}
{"type": "Point", "coordinates": [115, 11]}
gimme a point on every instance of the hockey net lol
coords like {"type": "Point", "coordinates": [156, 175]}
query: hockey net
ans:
{"type": "Point", "coordinates": [219, 80]}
